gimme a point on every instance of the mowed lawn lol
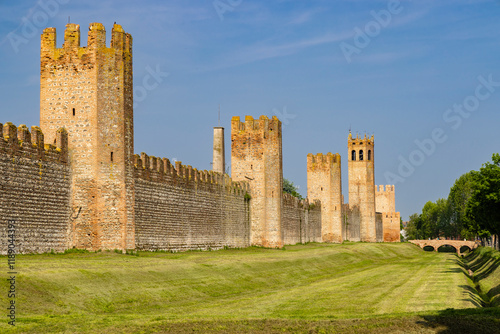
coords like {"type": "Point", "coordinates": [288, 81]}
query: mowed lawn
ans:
{"type": "Point", "coordinates": [107, 291]}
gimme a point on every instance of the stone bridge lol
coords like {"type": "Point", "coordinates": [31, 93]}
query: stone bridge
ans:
{"type": "Point", "coordinates": [457, 244]}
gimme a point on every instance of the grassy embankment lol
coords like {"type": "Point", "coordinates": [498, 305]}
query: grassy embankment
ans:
{"type": "Point", "coordinates": [316, 288]}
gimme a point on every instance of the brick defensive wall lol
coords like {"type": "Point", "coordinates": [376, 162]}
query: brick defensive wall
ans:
{"type": "Point", "coordinates": [35, 189]}
{"type": "Point", "coordinates": [181, 208]}
{"type": "Point", "coordinates": [301, 220]}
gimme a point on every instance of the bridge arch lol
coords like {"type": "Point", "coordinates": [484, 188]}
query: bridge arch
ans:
{"type": "Point", "coordinates": [443, 248]}
{"type": "Point", "coordinates": [458, 245]}
{"type": "Point", "coordinates": [465, 249]}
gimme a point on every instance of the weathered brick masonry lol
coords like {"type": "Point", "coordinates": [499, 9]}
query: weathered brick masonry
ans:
{"type": "Point", "coordinates": [34, 188]}
{"type": "Point", "coordinates": [385, 204]}
{"type": "Point", "coordinates": [361, 221]}
{"type": "Point", "coordinates": [324, 184]}
{"type": "Point", "coordinates": [182, 208]}
{"type": "Point", "coordinates": [301, 220]}
{"type": "Point", "coordinates": [256, 157]}
{"type": "Point", "coordinates": [88, 90]}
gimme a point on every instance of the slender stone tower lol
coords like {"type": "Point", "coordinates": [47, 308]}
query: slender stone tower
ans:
{"type": "Point", "coordinates": [324, 183]}
{"type": "Point", "coordinates": [361, 221]}
{"type": "Point", "coordinates": [256, 157]}
{"type": "Point", "coordinates": [219, 160]}
{"type": "Point", "coordinates": [88, 91]}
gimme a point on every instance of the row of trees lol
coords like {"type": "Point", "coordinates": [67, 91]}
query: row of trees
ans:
{"type": "Point", "coordinates": [471, 210]}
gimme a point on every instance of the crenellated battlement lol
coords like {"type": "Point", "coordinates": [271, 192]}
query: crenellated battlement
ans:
{"type": "Point", "coordinates": [321, 161]}
{"type": "Point", "coordinates": [292, 201]}
{"type": "Point", "coordinates": [388, 188]}
{"type": "Point", "coordinates": [96, 41]}
{"type": "Point", "coordinates": [385, 198]}
{"type": "Point", "coordinates": [263, 125]}
{"type": "Point", "coordinates": [162, 170]}
{"type": "Point", "coordinates": [360, 140]}
{"type": "Point", "coordinates": [21, 142]}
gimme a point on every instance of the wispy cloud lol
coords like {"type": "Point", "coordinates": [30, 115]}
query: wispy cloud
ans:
{"type": "Point", "coordinates": [253, 53]}
{"type": "Point", "coordinates": [304, 16]}
{"type": "Point", "coordinates": [382, 57]}
{"type": "Point", "coordinates": [408, 18]}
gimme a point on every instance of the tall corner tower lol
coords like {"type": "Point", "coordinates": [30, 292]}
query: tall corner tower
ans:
{"type": "Point", "coordinates": [88, 91]}
{"type": "Point", "coordinates": [324, 183]}
{"type": "Point", "coordinates": [219, 159]}
{"type": "Point", "coordinates": [361, 221]}
{"type": "Point", "coordinates": [256, 157]}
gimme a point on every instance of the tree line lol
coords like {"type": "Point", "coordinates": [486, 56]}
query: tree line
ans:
{"type": "Point", "coordinates": [471, 211]}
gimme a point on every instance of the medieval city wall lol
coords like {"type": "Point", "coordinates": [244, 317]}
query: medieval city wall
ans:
{"type": "Point", "coordinates": [35, 189]}
{"type": "Point", "coordinates": [301, 221]}
{"type": "Point", "coordinates": [86, 189]}
{"type": "Point", "coordinates": [180, 208]}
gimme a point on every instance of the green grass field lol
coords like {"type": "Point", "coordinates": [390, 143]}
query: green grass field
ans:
{"type": "Point", "coordinates": [313, 288]}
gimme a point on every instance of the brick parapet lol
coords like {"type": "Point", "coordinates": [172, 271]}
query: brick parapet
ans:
{"type": "Point", "coordinates": [161, 170]}
{"type": "Point", "coordinates": [96, 39]}
{"type": "Point", "coordinates": [290, 200]}
{"type": "Point", "coordinates": [19, 141]}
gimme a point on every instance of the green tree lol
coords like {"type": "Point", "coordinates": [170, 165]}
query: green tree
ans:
{"type": "Point", "coordinates": [457, 200]}
{"type": "Point", "coordinates": [483, 207]}
{"type": "Point", "coordinates": [289, 187]}
{"type": "Point", "coordinates": [413, 226]}
{"type": "Point", "coordinates": [435, 219]}
{"type": "Point", "coordinates": [429, 216]}
{"type": "Point", "coordinates": [443, 218]}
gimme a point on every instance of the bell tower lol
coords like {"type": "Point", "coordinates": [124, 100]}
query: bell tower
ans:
{"type": "Point", "coordinates": [361, 221]}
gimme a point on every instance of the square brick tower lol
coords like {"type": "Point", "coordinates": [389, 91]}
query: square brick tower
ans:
{"type": "Point", "coordinates": [324, 183]}
{"type": "Point", "coordinates": [385, 204]}
{"type": "Point", "coordinates": [361, 220]}
{"type": "Point", "coordinates": [256, 157]}
{"type": "Point", "coordinates": [88, 91]}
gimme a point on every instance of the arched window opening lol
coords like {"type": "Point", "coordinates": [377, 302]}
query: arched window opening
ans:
{"type": "Point", "coordinates": [369, 154]}
{"type": "Point", "coordinates": [353, 155]}
{"type": "Point", "coordinates": [360, 155]}
{"type": "Point", "coordinates": [73, 111]}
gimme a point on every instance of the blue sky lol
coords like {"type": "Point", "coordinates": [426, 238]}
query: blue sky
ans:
{"type": "Point", "coordinates": [422, 76]}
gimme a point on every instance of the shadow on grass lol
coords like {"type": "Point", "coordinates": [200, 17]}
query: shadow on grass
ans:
{"type": "Point", "coordinates": [478, 266]}
{"type": "Point", "coordinates": [450, 321]}
{"type": "Point", "coordinates": [474, 296]}
{"type": "Point", "coordinates": [494, 295]}
{"type": "Point", "coordinates": [491, 266]}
